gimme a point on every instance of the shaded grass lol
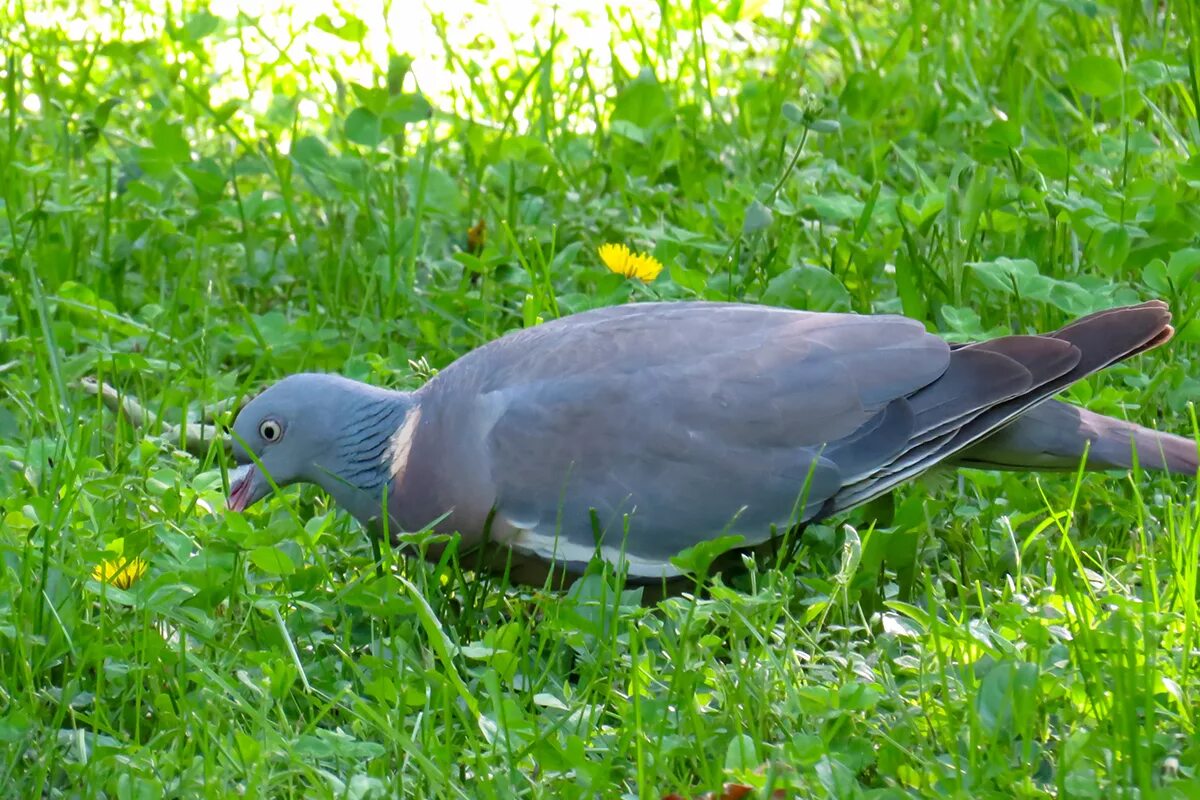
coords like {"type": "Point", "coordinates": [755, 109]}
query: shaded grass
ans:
{"type": "Point", "coordinates": [982, 166]}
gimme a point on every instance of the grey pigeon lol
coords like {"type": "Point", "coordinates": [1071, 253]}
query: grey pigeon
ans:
{"type": "Point", "coordinates": [637, 431]}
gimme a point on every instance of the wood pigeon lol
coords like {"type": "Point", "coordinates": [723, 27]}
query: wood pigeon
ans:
{"type": "Point", "coordinates": [637, 431]}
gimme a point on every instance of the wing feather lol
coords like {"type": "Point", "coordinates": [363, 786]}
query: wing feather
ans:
{"type": "Point", "coordinates": [755, 416]}
{"type": "Point", "coordinates": [674, 423]}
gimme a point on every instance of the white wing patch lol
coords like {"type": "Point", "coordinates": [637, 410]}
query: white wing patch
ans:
{"type": "Point", "coordinates": [554, 546]}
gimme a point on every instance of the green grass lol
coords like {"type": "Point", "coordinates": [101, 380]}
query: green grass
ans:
{"type": "Point", "coordinates": [985, 166]}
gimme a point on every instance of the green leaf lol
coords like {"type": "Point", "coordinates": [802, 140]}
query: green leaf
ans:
{"type": "Point", "coordinates": [362, 127]}
{"type": "Point", "coordinates": [272, 560]}
{"type": "Point", "coordinates": [398, 68]}
{"type": "Point", "coordinates": [912, 299]}
{"type": "Point", "coordinates": [808, 748]}
{"type": "Point", "coordinates": [1020, 277]}
{"type": "Point", "coordinates": [793, 113]}
{"type": "Point", "coordinates": [1190, 171]}
{"type": "Point", "coordinates": [169, 142]}
{"type": "Point", "coordinates": [1150, 73]}
{"type": "Point", "coordinates": [1007, 275]}
{"type": "Point", "coordinates": [564, 258]}
{"type": "Point", "coordinates": [523, 148]}
{"type": "Point", "coordinates": [372, 98]}
{"type": "Point", "coordinates": [199, 25]}
{"type": "Point", "coordinates": [405, 109]}
{"type": "Point", "coordinates": [1154, 275]}
{"type": "Point", "coordinates": [863, 95]}
{"type": "Point", "coordinates": [1183, 265]}
{"type": "Point", "coordinates": [352, 29]}
{"type": "Point", "coordinates": [835, 778]}
{"type": "Point", "coordinates": [757, 217]}
{"type": "Point", "coordinates": [834, 207]}
{"type": "Point", "coordinates": [643, 102]}
{"type": "Point", "coordinates": [206, 176]}
{"type": "Point", "coordinates": [808, 287]}
{"type": "Point", "coordinates": [629, 130]}
{"type": "Point", "coordinates": [1099, 76]}
{"type": "Point", "coordinates": [859, 696]}
{"type": "Point", "coordinates": [992, 701]}
{"type": "Point", "coordinates": [690, 279]}
{"type": "Point", "coordinates": [309, 151]}
{"type": "Point", "coordinates": [1006, 688]}
{"type": "Point", "coordinates": [698, 558]}
{"type": "Point", "coordinates": [1051, 161]}
{"type": "Point", "coordinates": [1112, 250]}
{"type": "Point", "coordinates": [100, 115]}
{"type": "Point", "coordinates": [741, 753]}
{"type": "Point", "coordinates": [82, 301]}
{"type": "Point", "coordinates": [443, 195]}
{"type": "Point", "coordinates": [248, 747]}
{"type": "Point", "coordinates": [223, 112]}
{"type": "Point", "coordinates": [1068, 296]}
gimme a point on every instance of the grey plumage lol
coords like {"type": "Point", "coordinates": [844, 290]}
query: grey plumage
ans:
{"type": "Point", "coordinates": [1054, 436]}
{"type": "Point", "coordinates": [664, 424]}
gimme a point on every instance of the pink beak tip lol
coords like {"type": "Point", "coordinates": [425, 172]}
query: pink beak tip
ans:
{"type": "Point", "coordinates": [240, 482]}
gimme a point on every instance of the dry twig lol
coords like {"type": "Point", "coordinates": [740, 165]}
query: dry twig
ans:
{"type": "Point", "coordinates": [195, 436]}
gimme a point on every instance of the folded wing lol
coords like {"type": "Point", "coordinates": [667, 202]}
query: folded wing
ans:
{"type": "Point", "coordinates": [642, 430]}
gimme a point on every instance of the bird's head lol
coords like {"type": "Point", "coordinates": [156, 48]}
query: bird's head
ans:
{"type": "Point", "coordinates": [310, 428]}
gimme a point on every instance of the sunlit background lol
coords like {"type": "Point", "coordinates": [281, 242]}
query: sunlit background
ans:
{"type": "Point", "coordinates": [321, 44]}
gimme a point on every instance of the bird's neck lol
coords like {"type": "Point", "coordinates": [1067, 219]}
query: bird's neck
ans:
{"type": "Point", "coordinates": [373, 443]}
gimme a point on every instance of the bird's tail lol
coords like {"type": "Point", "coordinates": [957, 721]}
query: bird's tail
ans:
{"type": "Point", "coordinates": [1054, 436]}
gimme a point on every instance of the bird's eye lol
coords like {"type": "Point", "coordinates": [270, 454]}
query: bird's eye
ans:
{"type": "Point", "coordinates": [270, 430]}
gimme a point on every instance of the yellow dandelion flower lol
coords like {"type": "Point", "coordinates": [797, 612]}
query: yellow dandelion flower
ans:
{"type": "Point", "coordinates": [623, 261]}
{"type": "Point", "coordinates": [120, 572]}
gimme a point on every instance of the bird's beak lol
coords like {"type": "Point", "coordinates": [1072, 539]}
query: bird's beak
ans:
{"type": "Point", "coordinates": [246, 487]}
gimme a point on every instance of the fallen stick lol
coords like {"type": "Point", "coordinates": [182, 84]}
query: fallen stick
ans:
{"type": "Point", "coordinates": [196, 436]}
